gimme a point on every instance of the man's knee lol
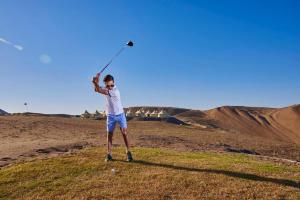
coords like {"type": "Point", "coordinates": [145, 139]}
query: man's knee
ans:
{"type": "Point", "coordinates": [110, 134]}
{"type": "Point", "coordinates": [124, 131]}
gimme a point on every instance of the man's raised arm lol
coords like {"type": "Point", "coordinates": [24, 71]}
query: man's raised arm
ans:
{"type": "Point", "coordinates": [97, 87]}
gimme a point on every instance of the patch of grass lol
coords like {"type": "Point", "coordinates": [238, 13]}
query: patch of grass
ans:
{"type": "Point", "coordinates": [156, 174]}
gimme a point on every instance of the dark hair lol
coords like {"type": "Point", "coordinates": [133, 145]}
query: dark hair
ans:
{"type": "Point", "coordinates": [108, 77]}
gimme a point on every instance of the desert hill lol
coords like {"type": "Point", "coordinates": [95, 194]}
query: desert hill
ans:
{"type": "Point", "coordinates": [45, 115]}
{"type": "Point", "coordinates": [288, 120]}
{"type": "Point", "coordinates": [2, 112]}
{"type": "Point", "coordinates": [282, 124]}
{"type": "Point", "coordinates": [273, 123]}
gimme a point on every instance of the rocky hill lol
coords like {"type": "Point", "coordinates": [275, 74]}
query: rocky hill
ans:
{"type": "Point", "coordinates": [2, 112]}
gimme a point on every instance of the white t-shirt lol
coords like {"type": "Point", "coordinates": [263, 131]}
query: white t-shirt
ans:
{"type": "Point", "coordinates": [113, 102]}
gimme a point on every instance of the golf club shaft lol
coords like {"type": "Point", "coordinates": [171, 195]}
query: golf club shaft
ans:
{"type": "Point", "coordinates": [117, 54]}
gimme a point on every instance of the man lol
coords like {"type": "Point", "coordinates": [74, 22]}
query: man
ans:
{"type": "Point", "coordinates": [115, 113]}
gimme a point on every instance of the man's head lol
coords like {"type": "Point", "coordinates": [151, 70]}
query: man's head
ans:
{"type": "Point", "coordinates": [109, 81]}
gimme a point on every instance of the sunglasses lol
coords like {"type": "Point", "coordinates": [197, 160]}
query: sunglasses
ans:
{"type": "Point", "coordinates": [109, 86]}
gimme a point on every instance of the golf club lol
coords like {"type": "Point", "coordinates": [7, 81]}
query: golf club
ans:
{"type": "Point", "coordinates": [128, 44]}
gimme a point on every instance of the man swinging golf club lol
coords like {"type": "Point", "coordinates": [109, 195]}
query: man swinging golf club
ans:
{"type": "Point", "coordinates": [114, 109]}
{"type": "Point", "coordinates": [115, 113]}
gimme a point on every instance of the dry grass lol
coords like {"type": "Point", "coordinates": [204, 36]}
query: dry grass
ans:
{"type": "Point", "coordinates": [156, 174]}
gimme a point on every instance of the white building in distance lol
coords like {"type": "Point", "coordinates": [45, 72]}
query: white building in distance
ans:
{"type": "Point", "coordinates": [148, 113]}
{"type": "Point", "coordinates": [129, 113]}
{"type": "Point", "coordinates": [162, 114]}
{"type": "Point", "coordinates": [86, 114]}
{"type": "Point", "coordinates": [139, 113]}
{"type": "Point", "coordinates": [154, 114]}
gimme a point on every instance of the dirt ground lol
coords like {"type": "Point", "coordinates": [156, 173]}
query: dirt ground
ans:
{"type": "Point", "coordinates": [26, 137]}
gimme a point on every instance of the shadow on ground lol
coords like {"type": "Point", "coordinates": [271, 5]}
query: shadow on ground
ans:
{"type": "Point", "coordinates": [247, 176]}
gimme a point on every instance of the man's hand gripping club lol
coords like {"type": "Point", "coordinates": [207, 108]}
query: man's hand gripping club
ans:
{"type": "Point", "coordinates": [97, 88]}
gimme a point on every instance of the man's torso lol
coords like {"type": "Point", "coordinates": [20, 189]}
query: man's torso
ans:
{"type": "Point", "coordinates": [113, 102]}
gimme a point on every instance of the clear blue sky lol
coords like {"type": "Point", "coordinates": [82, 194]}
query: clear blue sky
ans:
{"type": "Point", "coordinates": [193, 54]}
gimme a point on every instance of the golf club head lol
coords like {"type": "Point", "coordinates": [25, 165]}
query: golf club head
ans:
{"type": "Point", "coordinates": [129, 43]}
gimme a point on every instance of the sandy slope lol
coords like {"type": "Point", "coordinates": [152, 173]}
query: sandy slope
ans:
{"type": "Point", "coordinates": [270, 123]}
{"type": "Point", "coordinates": [287, 120]}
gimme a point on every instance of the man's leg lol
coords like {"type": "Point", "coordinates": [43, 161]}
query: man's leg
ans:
{"type": "Point", "coordinates": [123, 128]}
{"type": "Point", "coordinates": [111, 123]}
{"type": "Point", "coordinates": [125, 137]}
{"type": "Point", "coordinates": [126, 141]}
{"type": "Point", "coordinates": [109, 142]}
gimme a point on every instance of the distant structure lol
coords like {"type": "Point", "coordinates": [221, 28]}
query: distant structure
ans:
{"type": "Point", "coordinates": [148, 113]}
{"type": "Point", "coordinates": [96, 115]}
{"type": "Point", "coordinates": [129, 113]}
{"type": "Point", "coordinates": [154, 114]}
{"type": "Point", "coordinates": [99, 115]}
{"type": "Point", "coordinates": [86, 114]}
{"type": "Point", "coordinates": [103, 114]}
{"type": "Point", "coordinates": [139, 113]}
{"type": "Point", "coordinates": [162, 114]}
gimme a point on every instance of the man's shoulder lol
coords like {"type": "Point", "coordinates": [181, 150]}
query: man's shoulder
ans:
{"type": "Point", "coordinates": [114, 92]}
{"type": "Point", "coordinates": [115, 88]}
